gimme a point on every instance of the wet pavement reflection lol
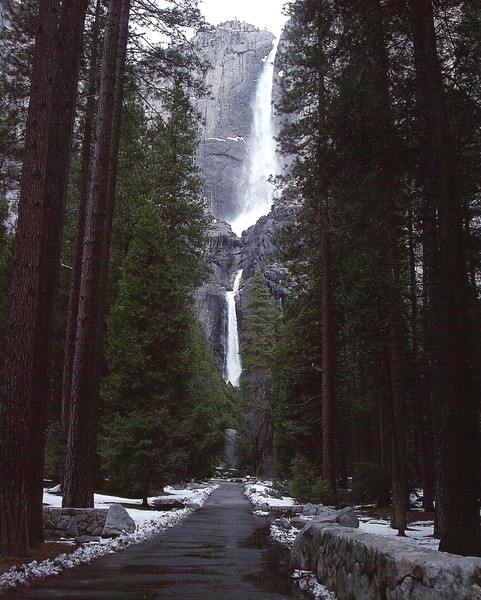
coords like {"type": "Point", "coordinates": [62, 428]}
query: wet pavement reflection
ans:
{"type": "Point", "coordinates": [222, 552]}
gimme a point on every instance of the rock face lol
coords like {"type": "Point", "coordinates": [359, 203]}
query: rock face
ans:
{"type": "Point", "coordinates": [118, 521]}
{"type": "Point", "coordinates": [235, 52]}
{"type": "Point", "coordinates": [260, 251]}
{"type": "Point", "coordinates": [223, 254]}
{"type": "Point", "coordinates": [226, 254]}
{"type": "Point", "coordinates": [361, 566]}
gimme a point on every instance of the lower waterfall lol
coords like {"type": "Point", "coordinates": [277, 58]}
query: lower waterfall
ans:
{"type": "Point", "coordinates": [233, 368]}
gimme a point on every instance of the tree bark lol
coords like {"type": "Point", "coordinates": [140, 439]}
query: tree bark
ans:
{"type": "Point", "coordinates": [84, 406]}
{"type": "Point", "coordinates": [327, 343]}
{"type": "Point", "coordinates": [456, 398]}
{"type": "Point", "coordinates": [327, 334]}
{"type": "Point", "coordinates": [35, 271]}
{"type": "Point", "coordinates": [388, 197]}
{"type": "Point", "coordinates": [88, 134]}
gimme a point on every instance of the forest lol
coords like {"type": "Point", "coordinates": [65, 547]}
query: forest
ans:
{"type": "Point", "coordinates": [367, 377]}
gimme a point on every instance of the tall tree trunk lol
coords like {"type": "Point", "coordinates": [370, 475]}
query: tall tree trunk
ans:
{"type": "Point", "coordinates": [460, 418]}
{"type": "Point", "coordinates": [327, 334]}
{"type": "Point", "coordinates": [84, 405]}
{"type": "Point", "coordinates": [86, 159]}
{"type": "Point", "coordinates": [388, 197]}
{"type": "Point", "coordinates": [327, 344]}
{"type": "Point", "coordinates": [112, 181]}
{"type": "Point", "coordinates": [424, 417]}
{"type": "Point", "coordinates": [35, 272]}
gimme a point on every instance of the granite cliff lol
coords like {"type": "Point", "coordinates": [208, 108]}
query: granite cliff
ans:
{"type": "Point", "coordinates": [237, 53]}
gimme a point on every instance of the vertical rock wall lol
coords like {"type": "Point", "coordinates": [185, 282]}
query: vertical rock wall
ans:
{"type": "Point", "coordinates": [235, 52]}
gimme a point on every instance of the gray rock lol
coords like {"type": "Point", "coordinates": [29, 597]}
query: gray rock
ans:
{"type": "Point", "coordinates": [298, 522]}
{"type": "Point", "coordinates": [63, 523]}
{"type": "Point", "coordinates": [347, 517]}
{"type": "Point", "coordinates": [81, 517]}
{"type": "Point", "coordinates": [167, 503]}
{"type": "Point", "coordinates": [235, 52]}
{"type": "Point", "coordinates": [284, 523]}
{"type": "Point", "coordinates": [197, 485]}
{"type": "Point", "coordinates": [260, 251]}
{"type": "Point", "coordinates": [325, 515]}
{"type": "Point", "coordinates": [310, 510]}
{"type": "Point", "coordinates": [118, 521]}
{"type": "Point", "coordinates": [272, 493]}
{"type": "Point", "coordinates": [72, 528]}
{"type": "Point", "coordinates": [85, 539]}
{"type": "Point", "coordinates": [55, 514]}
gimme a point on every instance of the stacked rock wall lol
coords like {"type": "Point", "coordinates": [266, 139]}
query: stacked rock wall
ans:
{"type": "Point", "coordinates": [362, 566]}
{"type": "Point", "coordinates": [86, 523]}
{"type": "Point", "coordinates": [72, 522]}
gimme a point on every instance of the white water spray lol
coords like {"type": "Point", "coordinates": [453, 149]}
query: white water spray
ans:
{"type": "Point", "coordinates": [233, 368]}
{"type": "Point", "coordinates": [257, 192]}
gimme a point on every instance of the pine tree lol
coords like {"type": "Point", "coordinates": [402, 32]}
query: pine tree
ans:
{"type": "Point", "coordinates": [35, 271]}
{"type": "Point", "coordinates": [85, 378]}
{"type": "Point", "coordinates": [259, 337]}
{"type": "Point", "coordinates": [459, 420]}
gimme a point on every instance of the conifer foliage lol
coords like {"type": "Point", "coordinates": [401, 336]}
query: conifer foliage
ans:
{"type": "Point", "coordinates": [383, 170]}
{"type": "Point", "coordinates": [164, 234]}
{"type": "Point", "coordinates": [259, 338]}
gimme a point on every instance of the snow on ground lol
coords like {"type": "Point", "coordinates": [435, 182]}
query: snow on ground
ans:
{"type": "Point", "coordinates": [148, 523]}
{"type": "Point", "coordinates": [308, 583]}
{"type": "Point", "coordinates": [263, 496]}
{"type": "Point", "coordinates": [420, 532]}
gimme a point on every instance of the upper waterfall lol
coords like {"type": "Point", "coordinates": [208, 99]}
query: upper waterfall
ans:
{"type": "Point", "coordinates": [256, 190]}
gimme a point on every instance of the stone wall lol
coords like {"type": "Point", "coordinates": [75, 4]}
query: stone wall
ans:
{"type": "Point", "coordinates": [72, 522]}
{"type": "Point", "coordinates": [362, 566]}
{"type": "Point", "coordinates": [86, 522]}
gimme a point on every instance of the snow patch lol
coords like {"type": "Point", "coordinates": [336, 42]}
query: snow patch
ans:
{"type": "Point", "coordinates": [308, 583]}
{"type": "Point", "coordinates": [258, 494]}
{"type": "Point", "coordinates": [147, 523]}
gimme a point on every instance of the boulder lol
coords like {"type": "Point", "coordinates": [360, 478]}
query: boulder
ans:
{"type": "Point", "coordinates": [272, 493]}
{"type": "Point", "coordinates": [284, 523]}
{"type": "Point", "coordinates": [166, 503]}
{"type": "Point", "coordinates": [197, 485]}
{"type": "Point", "coordinates": [118, 521]}
{"type": "Point", "coordinates": [310, 510]}
{"type": "Point", "coordinates": [347, 517]}
{"type": "Point", "coordinates": [298, 522]}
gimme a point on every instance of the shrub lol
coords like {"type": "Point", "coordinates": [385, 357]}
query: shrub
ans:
{"type": "Point", "coordinates": [306, 486]}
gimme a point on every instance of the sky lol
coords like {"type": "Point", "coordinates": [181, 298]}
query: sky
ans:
{"type": "Point", "coordinates": [264, 14]}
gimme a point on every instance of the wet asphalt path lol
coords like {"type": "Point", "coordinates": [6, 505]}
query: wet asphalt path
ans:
{"type": "Point", "coordinates": [218, 553]}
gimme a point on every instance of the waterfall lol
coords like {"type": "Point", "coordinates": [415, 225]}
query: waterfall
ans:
{"type": "Point", "coordinates": [233, 368]}
{"type": "Point", "coordinates": [257, 192]}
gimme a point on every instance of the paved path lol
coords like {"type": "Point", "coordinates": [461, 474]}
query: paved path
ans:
{"type": "Point", "coordinates": [219, 553]}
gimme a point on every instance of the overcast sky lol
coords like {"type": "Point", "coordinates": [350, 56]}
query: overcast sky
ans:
{"type": "Point", "coordinates": [265, 14]}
